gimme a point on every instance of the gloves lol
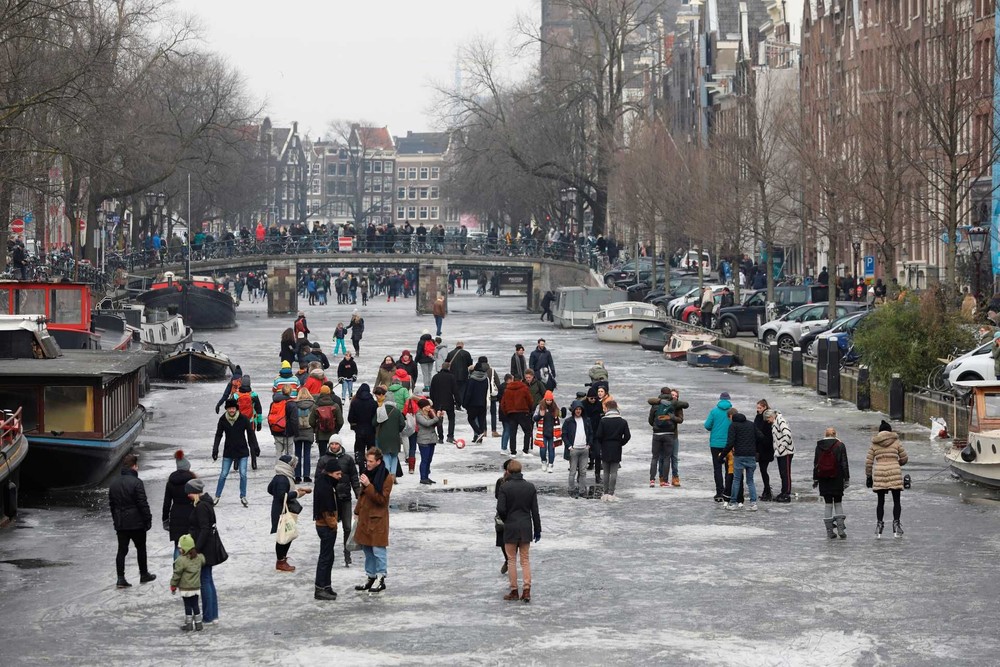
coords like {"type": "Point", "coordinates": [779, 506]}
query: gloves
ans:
{"type": "Point", "coordinates": [253, 463]}
{"type": "Point", "coordinates": [215, 456]}
{"type": "Point", "coordinates": [166, 524]}
{"type": "Point", "coordinates": [216, 409]}
{"type": "Point", "coordinates": [538, 536]}
{"type": "Point", "coordinates": [258, 427]}
{"type": "Point", "coordinates": [869, 482]}
{"type": "Point", "coordinates": [815, 483]}
{"type": "Point", "coordinates": [173, 590]}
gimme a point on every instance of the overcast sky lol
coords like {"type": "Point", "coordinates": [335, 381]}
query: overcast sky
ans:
{"type": "Point", "coordinates": [318, 60]}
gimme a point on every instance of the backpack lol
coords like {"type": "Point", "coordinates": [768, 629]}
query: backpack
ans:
{"type": "Point", "coordinates": [244, 402]}
{"type": "Point", "coordinates": [661, 417]}
{"type": "Point", "coordinates": [276, 417]}
{"type": "Point", "coordinates": [304, 420]}
{"type": "Point", "coordinates": [234, 386]}
{"type": "Point", "coordinates": [827, 467]}
{"type": "Point", "coordinates": [326, 421]}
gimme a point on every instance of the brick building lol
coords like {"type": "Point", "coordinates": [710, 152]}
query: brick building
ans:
{"type": "Point", "coordinates": [421, 161]}
{"type": "Point", "coordinates": [286, 172]}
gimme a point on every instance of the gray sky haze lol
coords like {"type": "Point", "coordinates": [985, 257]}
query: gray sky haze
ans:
{"type": "Point", "coordinates": [318, 60]}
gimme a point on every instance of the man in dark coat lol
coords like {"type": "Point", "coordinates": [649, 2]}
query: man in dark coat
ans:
{"type": "Point", "coordinates": [542, 363]}
{"type": "Point", "coordinates": [517, 507]}
{"type": "Point", "coordinates": [360, 416]}
{"type": "Point", "coordinates": [742, 442]}
{"type": "Point", "coordinates": [461, 366]}
{"type": "Point", "coordinates": [611, 436]}
{"type": "Point", "coordinates": [326, 517]}
{"type": "Point", "coordinates": [347, 483]}
{"type": "Point", "coordinates": [444, 395]}
{"type": "Point", "coordinates": [132, 518]}
{"type": "Point", "coordinates": [176, 505]}
{"type": "Point", "coordinates": [547, 300]}
{"type": "Point", "coordinates": [518, 362]}
{"type": "Point", "coordinates": [593, 410]}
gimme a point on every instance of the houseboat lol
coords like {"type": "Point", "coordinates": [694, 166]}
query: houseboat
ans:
{"type": "Point", "coordinates": [576, 306]}
{"type": "Point", "coordinates": [13, 451]}
{"type": "Point", "coordinates": [622, 322]}
{"type": "Point", "coordinates": [80, 409]}
{"type": "Point", "coordinates": [201, 301]}
{"type": "Point", "coordinates": [195, 361]}
{"type": "Point", "coordinates": [976, 459]}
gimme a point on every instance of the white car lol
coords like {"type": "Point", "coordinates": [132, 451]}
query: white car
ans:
{"type": "Point", "coordinates": [769, 331]}
{"type": "Point", "coordinates": [974, 365]}
{"type": "Point", "coordinates": [811, 319]}
{"type": "Point", "coordinates": [676, 306]}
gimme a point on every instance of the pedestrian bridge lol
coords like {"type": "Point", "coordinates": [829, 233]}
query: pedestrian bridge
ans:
{"type": "Point", "coordinates": [532, 275]}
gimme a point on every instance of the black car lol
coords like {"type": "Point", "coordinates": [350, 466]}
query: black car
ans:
{"type": "Point", "coordinates": [626, 274]}
{"type": "Point", "coordinates": [731, 321]}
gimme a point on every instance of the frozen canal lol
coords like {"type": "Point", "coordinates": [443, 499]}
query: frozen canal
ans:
{"type": "Point", "coordinates": [664, 576]}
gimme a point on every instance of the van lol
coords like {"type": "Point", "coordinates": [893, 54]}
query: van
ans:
{"type": "Point", "coordinates": [690, 260]}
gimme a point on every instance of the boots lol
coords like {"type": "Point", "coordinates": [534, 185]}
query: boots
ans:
{"type": "Point", "coordinates": [365, 586]}
{"type": "Point", "coordinates": [412, 463]}
{"type": "Point", "coordinates": [897, 529]}
{"type": "Point", "coordinates": [512, 595]}
{"type": "Point", "coordinates": [503, 568]}
{"type": "Point", "coordinates": [347, 558]}
{"type": "Point", "coordinates": [188, 623]}
{"type": "Point", "coordinates": [841, 527]}
{"type": "Point", "coordinates": [676, 481]}
{"type": "Point", "coordinates": [324, 593]}
{"type": "Point", "coordinates": [829, 529]}
{"type": "Point", "coordinates": [878, 529]}
{"type": "Point", "coordinates": [526, 594]}
{"type": "Point", "coordinates": [766, 496]}
{"type": "Point", "coordinates": [198, 625]}
{"type": "Point", "coordinates": [378, 587]}
{"type": "Point", "coordinates": [146, 578]}
{"type": "Point", "coordinates": [122, 583]}
{"type": "Point", "coordinates": [283, 566]}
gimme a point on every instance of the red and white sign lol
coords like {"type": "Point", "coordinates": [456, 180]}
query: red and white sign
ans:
{"type": "Point", "coordinates": [345, 243]}
{"type": "Point", "coordinates": [83, 224]}
{"type": "Point", "coordinates": [17, 226]}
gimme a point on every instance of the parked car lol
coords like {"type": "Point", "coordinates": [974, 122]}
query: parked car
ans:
{"type": "Point", "coordinates": [675, 307]}
{"type": "Point", "coordinates": [627, 275]}
{"type": "Point", "coordinates": [692, 312]}
{"type": "Point", "coordinates": [788, 329]}
{"type": "Point", "coordinates": [976, 364]}
{"type": "Point", "coordinates": [845, 324]}
{"type": "Point", "coordinates": [753, 312]}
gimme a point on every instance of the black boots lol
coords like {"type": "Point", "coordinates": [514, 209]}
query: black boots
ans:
{"type": "Point", "coordinates": [122, 583]}
{"type": "Point", "coordinates": [326, 593]}
{"type": "Point", "coordinates": [347, 558]}
{"type": "Point", "coordinates": [146, 578]}
{"type": "Point", "coordinates": [897, 529]}
{"type": "Point", "coordinates": [766, 496]}
{"type": "Point", "coordinates": [367, 586]}
{"type": "Point", "coordinates": [188, 623]}
{"type": "Point", "coordinates": [378, 587]}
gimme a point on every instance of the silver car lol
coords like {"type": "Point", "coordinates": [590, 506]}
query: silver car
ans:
{"type": "Point", "coordinates": [788, 328]}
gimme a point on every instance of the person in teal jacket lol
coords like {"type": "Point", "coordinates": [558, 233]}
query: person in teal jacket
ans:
{"type": "Point", "coordinates": [717, 425]}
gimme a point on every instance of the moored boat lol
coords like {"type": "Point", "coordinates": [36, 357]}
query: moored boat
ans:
{"type": "Point", "coordinates": [196, 361]}
{"type": "Point", "coordinates": [654, 338]}
{"type": "Point", "coordinates": [13, 451]}
{"type": "Point", "coordinates": [680, 342]}
{"type": "Point", "coordinates": [576, 307]}
{"type": "Point", "coordinates": [80, 408]}
{"type": "Point", "coordinates": [200, 301]}
{"type": "Point", "coordinates": [711, 356]}
{"type": "Point", "coordinates": [65, 306]}
{"type": "Point", "coordinates": [976, 459]}
{"type": "Point", "coordinates": [621, 322]}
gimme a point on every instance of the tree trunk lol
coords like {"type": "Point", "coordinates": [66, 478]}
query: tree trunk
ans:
{"type": "Point", "coordinates": [6, 194]}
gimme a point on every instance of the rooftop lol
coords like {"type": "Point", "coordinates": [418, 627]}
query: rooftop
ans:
{"type": "Point", "coordinates": [417, 143]}
{"type": "Point", "coordinates": [76, 364]}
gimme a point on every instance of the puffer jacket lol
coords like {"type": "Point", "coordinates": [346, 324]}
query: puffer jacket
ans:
{"type": "Point", "coordinates": [717, 424]}
{"type": "Point", "coordinates": [129, 507]}
{"type": "Point", "coordinates": [315, 381]}
{"type": "Point", "coordinates": [187, 572]}
{"type": "Point", "coordinates": [742, 438]}
{"type": "Point", "coordinates": [477, 390]}
{"type": "Point", "coordinates": [305, 407]}
{"type": "Point", "coordinates": [783, 445]}
{"type": "Point", "coordinates": [885, 458]}
{"type": "Point", "coordinates": [388, 423]}
{"type": "Point", "coordinates": [399, 393]}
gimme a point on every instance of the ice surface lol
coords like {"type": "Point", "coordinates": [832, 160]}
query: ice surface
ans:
{"type": "Point", "coordinates": [662, 577]}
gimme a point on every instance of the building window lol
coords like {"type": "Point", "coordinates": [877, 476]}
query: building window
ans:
{"type": "Point", "coordinates": [368, 167]}
{"type": "Point", "coordinates": [388, 166]}
{"type": "Point", "coordinates": [412, 173]}
{"type": "Point", "coordinates": [400, 193]}
{"type": "Point", "coordinates": [377, 186]}
{"type": "Point", "coordinates": [423, 212]}
{"type": "Point", "coordinates": [423, 173]}
{"type": "Point", "coordinates": [413, 193]}
{"type": "Point", "coordinates": [435, 192]}
{"type": "Point", "coordinates": [411, 213]}
{"type": "Point", "coordinates": [331, 187]}
{"type": "Point", "coordinates": [368, 185]}
{"type": "Point", "coordinates": [424, 193]}
{"type": "Point", "coordinates": [435, 173]}
{"type": "Point", "coordinates": [434, 212]}
{"type": "Point", "coordinates": [401, 173]}
{"type": "Point", "coordinates": [377, 166]}
{"type": "Point", "coordinates": [331, 170]}
{"type": "Point", "coordinates": [401, 213]}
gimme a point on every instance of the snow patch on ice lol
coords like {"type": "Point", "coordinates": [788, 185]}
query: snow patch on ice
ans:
{"type": "Point", "coordinates": [818, 647]}
{"type": "Point", "coordinates": [710, 532]}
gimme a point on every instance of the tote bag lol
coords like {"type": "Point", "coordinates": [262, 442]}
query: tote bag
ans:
{"type": "Point", "coordinates": [288, 526]}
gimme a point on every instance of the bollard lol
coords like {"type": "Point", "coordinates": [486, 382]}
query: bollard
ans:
{"type": "Point", "coordinates": [821, 360]}
{"type": "Point", "coordinates": [833, 369]}
{"type": "Point", "coordinates": [773, 361]}
{"type": "Point", "coordinates": [896, 398]}
{"type": "Point", "coordinates": [798, 372]}
{"type": "Point", "coordinates": [864, 389]}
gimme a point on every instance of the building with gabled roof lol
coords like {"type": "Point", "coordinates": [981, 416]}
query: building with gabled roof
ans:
{"type": "Point", "coordinates": [285, 174]}
{"type": "Point", "coordinates": [421, 162]}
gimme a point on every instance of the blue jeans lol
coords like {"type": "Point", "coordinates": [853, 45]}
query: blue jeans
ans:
{"type": "Point", "coordinates": [302, 450]}
{"type": "Point", "coordinates": [391, 461]}
{"type": "Point", "coordinates": [426, 456]}
{"type": "Point", "coordinates": [346, 389]}
{"type": "Point", "coordinates": [741, 463]}
{"type": "Point", "coordinates": [376, 561]}
{"type": "Point", "coordinates": [339, 347]}
{"type": "Point", "coordinates": [548, 449]}
{"type": "Point", "coordinates": [412, 452]}
{"type": "Point", "coordinates": [505, 436]}
{"type": "Point", "coordinates": [227, 465]}
{"type": "Point", "coordinates": [327, 548]}
{"type": "Point", "coordinates": [209, 596]}
{"type": "Point", "coordinates": [438, 320]}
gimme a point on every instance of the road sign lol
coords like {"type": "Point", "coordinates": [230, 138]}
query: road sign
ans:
{"type": "Point", "coordinates": [17, 226]}
{"type": "Point", "coordinates": [82, 224]}
{"type": "Point", "coordinates": [345, 243]}
{"type": "Point", "coordinates": [869, 265]}
{"type": "Point", "coordinates": [29, 217]}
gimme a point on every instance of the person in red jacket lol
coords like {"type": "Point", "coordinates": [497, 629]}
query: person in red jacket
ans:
{"type": "Point", "coordinates": [517, 404]}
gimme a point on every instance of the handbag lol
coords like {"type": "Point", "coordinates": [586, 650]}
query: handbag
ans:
{"type": "Point", "coordinates": [220, 551]}
{"type": "Point", "coordinates": [288, 526]}
{"type": "Point", "coordinates": [352, 543]}
{"type": "Point", "coordinates": [409, 428]}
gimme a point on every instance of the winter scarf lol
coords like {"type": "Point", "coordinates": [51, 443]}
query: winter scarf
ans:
{"type": "Point", "coordinates": [286, 469]}
{"type": "Point", "coordinates": [377, 476]}
{"type": "Point", "coordinates": [232, 419]}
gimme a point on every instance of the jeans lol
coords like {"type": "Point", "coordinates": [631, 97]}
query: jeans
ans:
{"type": "Point", "coordinates": [785, 470]}
{"type": "Point", "coordinates": [522, 419]}
{"type": "Point", "coordinates": [578, 470]}
{"type": "Point", "coordinates": [376, 561]}
{"type": "Point", "coordinates": [426, 372]}
{"type": "Point", "coordinates": [477, 420]}
{"type": "Point", "coordinates": [302, 450]}
{"type": "Point", "coordinates": [663, 448]}
{"type": "Point", "coordinates": [283, 445]}
{"type": "Point", "coordinates": [426, 456]}
{"type": "Point", "coordinates": [450, 412]}
{"type": "Point", "coordinates": [210, 597]}
{"type": "Point", "coordinates": [547, 450]}
{"type": "Point", "coordinates": [191, 605]}
{"type": "Point", "coordinates": [438, 321]}
{"type": "Point", "coordinates": [339, 346]}
{"type": "Point", "coordinates": [324, 562]}
{"type": "Point", "coordinates": [391, 461]}
{"type": "Point", "coordinates": [512, 550]}
{"type": "Point", "coordinates": [346, 389]}
{"type": "Point", "coordinates": [717, 469]}
{"type": "Point", "coordinates": [505, 436]}
{"type": "Point", "coordinates": [137, 537]}
{"type": "Point", "coordinates": [741, 463]}
{"type": "Point", "coordinates": [611, 476]}
{"type": "Point", "coordinates": [227, 465]}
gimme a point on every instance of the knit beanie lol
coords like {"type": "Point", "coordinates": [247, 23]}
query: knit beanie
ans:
{"type": "Point", "coordinates": [186, 543]}
{"type": "Point", "coordinates": [285, 364]}
{"type": "Point", "coordinates": [324, 391]}
{"type": "Point", "coordinates": [194, 486]}
{"type": "Point", "coordinates": [182, 463]}
{"type": "Point", "coordinates": [884, 426]}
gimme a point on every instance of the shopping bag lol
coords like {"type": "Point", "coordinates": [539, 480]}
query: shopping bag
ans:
{"type": "Point", "coordinates": [288, 526]}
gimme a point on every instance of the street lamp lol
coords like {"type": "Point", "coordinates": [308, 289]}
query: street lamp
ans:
{"type": "Point", "coordinates": [904, 256]}
{"type": "Point", "coordinates": [977, 245]}
{"type": "Point", "coordinates": [856, 246]}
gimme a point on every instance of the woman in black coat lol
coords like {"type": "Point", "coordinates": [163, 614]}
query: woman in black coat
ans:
{"type": "Point", "coordinates": [288, 348]}
{"type": "Point", "coordinates": [765, 447]}
{"type": "Point", "coordinates": [499, 524]}
{"type": "Point", "coordinates": [517, 507]}
{"type": "Point", "coordinates": [282, 490]}
{"type": "Point", "coordinates": [361, 416]}
{"type": "Point", "coordinates": [176, 504]}
{"type": "Point", "coordinates": [832, 483]}
{"type": "Point", "coordinates": [206, 542]}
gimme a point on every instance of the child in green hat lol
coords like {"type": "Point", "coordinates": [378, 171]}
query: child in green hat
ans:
{"type": "Point", "coordinates": [187, 577]}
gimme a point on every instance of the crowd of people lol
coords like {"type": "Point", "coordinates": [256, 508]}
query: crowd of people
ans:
{"type": "Point", "coordinates": [409, 408]}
